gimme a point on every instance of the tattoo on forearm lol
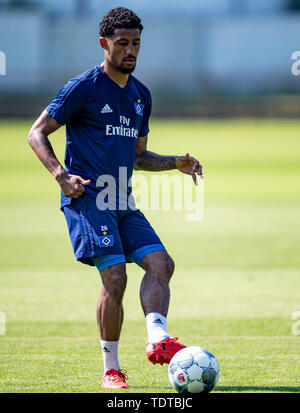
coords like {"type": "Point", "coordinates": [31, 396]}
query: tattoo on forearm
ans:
{"type": "Point", "coordinates": [150, 161]}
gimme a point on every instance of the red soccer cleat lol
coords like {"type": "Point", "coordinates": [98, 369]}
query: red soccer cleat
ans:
{"type": "Point", "coordinates": [114, 379]}
{"type": "Point", "coordinates": [163, 351]}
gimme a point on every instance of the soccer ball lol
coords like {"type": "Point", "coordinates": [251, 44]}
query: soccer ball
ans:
{"type": "Point", "coordinates": [194, 370]}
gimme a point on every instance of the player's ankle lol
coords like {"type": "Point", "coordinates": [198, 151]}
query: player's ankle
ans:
{"type": "Point", "coordinates": [156, 327]}
{"type": "Point", "coordinates": [157, 338]}
{"type": "Point", "coordinates": [110, 355]}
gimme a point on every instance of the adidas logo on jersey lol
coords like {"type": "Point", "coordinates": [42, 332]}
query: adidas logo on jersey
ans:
{"type": "Point", "coordinates": [106, 109]}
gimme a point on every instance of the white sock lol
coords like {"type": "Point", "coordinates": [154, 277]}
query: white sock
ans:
{"type": "Point", "coordinates": [156, 327]}
{"type": "Point", "coordinates": [110, 355]}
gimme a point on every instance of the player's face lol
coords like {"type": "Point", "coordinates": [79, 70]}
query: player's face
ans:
{"type": "Point", "coordinates": [123, 48]}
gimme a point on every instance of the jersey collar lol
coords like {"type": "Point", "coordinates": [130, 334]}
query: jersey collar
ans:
{"type": "Point", "coordinates": [114, 84]}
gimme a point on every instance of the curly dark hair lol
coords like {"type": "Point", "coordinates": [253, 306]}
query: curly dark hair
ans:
{"type": "Point", "coordinates": [119, 18]}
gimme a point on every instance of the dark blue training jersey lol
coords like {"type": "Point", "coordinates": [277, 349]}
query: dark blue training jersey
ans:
{"type": "Point", "coordinates": [103, 122]}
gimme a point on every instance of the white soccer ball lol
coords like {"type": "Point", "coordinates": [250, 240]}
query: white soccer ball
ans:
{"type": "Point", "coordinates": [194, 370]}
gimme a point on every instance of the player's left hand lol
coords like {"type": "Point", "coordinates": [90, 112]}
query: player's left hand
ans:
{"type": "Point", "coordinates": [189, 165]}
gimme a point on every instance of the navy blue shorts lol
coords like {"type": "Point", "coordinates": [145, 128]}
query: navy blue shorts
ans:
{"type": "Point", "coordinates": [105, 238]}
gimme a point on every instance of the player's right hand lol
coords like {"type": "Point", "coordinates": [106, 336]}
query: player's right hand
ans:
{"type": "Point", "coordinates": [73, 185]}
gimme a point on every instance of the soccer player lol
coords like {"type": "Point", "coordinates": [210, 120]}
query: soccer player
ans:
{"type": "Point", "coordinates": [106, 111]}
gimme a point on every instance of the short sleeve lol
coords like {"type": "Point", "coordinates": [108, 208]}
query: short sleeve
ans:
{"type": "Point", "coordinates": [146, 116]}
{"type": "Point", "coordinates": [69, 101]}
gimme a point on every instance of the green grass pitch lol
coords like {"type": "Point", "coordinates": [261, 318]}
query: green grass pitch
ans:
{"type": "Point", "coordinates": [234, 290]}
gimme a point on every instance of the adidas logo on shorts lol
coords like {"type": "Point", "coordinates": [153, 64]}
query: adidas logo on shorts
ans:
{"type": "Point", "coordinates": [106, 109]}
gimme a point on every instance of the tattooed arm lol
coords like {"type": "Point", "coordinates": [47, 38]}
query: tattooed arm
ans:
{"type": "Point", "coordinates": [71, 185]}
{"type": "Point", "coordinates": [149, 161]}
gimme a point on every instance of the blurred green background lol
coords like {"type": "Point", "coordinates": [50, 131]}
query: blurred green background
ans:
{"type": "Point", "coordinates": [236, 283]}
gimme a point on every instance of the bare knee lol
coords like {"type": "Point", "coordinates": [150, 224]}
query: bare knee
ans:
{"type": "Point", "coordinates": [170, 266]}
{"type": "Point", "coordinates": [160, 264]}
{"type": "Point", "coordinates": [114, 281]}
